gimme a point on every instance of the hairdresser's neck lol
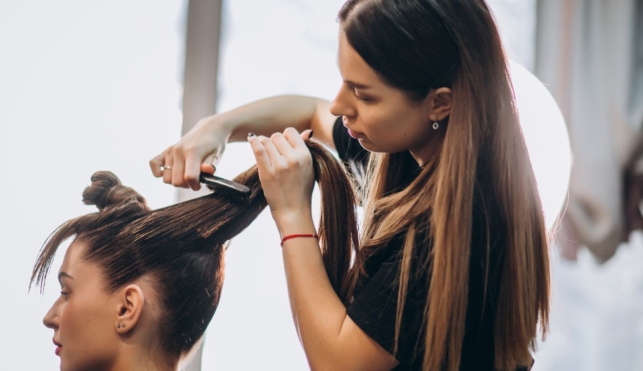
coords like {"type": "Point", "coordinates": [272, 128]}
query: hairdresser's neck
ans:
{"type": "Point", "coordinates": [427, 151]}
{"type": "Point", "coordinates": [135, 358]}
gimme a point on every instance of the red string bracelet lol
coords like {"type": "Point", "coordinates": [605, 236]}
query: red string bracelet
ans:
{"type": "Point", "coordinates": [286, 238]}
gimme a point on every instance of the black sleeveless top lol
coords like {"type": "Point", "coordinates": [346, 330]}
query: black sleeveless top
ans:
{"type": "Point", "coordinates": [374, 304]}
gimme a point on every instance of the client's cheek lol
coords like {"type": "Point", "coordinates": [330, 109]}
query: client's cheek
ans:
{"type": "Point", "coordinates": [85, 343]}
{"type": "Point", "coordinates": [75, 329]}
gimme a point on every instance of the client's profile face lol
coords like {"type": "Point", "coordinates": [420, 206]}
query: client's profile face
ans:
{"type": "Point", "coordinates": [84, 316]}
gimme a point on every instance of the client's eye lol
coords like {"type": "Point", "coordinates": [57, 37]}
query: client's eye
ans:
{"type": "Point", "coordinates": [64, 293]}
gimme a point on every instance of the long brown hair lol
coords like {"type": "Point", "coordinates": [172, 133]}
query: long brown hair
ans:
{"type": "Point", "coordinates": [417, 45]}
{"type": "Point", "coordinates": [182, 246]}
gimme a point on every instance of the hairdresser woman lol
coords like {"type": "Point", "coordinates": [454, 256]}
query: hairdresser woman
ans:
{"type": "Point", "coordinates": [452, 269]}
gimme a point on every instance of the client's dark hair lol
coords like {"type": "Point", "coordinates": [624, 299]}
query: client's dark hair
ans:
{"type": "Point", "coordinates": [182, 246]}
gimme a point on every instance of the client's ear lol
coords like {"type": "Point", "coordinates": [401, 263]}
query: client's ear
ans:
{"type": "Point", "coordinates": [130, 306]}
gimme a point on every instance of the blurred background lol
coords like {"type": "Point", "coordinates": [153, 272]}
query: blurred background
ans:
{"type": "Point", "coordinates": [87, 86]}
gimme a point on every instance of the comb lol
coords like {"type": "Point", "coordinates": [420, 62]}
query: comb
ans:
{"type": "Point", "coordinates": [220, 185]}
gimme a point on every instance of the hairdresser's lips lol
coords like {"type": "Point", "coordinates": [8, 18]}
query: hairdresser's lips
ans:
{"type": "Point", "coordinates": [354, 134]}
{"type": "Point", "coordinates": [58, 347]}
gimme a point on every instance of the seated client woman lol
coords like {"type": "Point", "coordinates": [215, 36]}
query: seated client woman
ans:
{"type": "Point", "coordinates": [140, 286]}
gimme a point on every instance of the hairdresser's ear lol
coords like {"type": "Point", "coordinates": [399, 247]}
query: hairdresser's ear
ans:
{"type": "Point", "coordinates": [440, 100]}
{"type": "Point", "coordinates": [129, 306]}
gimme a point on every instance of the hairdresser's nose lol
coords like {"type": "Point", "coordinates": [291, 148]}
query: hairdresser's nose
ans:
{"type": "Point", "coordinates": [344, 103]}
{"type": "Point", "coordinates": [52, 317]}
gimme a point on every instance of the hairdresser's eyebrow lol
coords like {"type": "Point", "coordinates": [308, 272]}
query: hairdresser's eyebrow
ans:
{"type": "Point", "coordinates": [357, 85]}
{"type": "Point", "coordinates": [63, 274]}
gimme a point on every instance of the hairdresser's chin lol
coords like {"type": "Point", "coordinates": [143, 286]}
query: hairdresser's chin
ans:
{"type": "Point", "coordinates": [99, 329]}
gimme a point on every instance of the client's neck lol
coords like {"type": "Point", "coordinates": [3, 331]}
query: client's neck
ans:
{"type": "Point", "coordinates": [133, 357]}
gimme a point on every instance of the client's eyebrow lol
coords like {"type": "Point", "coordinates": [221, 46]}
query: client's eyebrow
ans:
{"type": "Point", "coordinates": [64, 274]}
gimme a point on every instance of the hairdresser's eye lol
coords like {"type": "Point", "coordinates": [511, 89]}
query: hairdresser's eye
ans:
{"type": "Point", "coordinates": [362, 98]}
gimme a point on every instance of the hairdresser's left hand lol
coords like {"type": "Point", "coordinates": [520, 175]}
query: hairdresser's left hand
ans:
{"type": "Point", "coordinates": [286, 173]}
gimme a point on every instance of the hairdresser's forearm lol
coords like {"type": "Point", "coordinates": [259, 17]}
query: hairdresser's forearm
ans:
{"type": "Point", "coordinates": [271, 115]}
{"type": "Point", "coordinates": [318, 312]}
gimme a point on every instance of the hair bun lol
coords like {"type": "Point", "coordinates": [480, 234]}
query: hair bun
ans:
{"type": "Point", "coordinates": [107, 191]}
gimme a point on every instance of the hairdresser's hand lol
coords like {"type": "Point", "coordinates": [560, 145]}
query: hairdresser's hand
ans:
{"type": "Point", "coordinates": [286, 173]}
{"type": "Point", "coordinates": [199, 150]}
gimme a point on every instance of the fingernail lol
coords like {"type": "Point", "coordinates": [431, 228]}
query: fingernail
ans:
{"type": "Point", "coordinates": [310, 135]}
{"type": "Point", "coordinates": [251, 134]}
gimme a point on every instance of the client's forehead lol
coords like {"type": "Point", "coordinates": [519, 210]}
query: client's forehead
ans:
{"type": "Point", "coordinates": [72, 255]}
{"type": "Point", "coordinates": [75, 266]}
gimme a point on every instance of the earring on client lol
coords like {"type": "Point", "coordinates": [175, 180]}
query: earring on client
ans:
{"type": "Point", "coordinates": [120, 325]}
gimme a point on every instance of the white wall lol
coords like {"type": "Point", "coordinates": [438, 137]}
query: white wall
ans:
{"type": "Point", "coordinates": [516, 20]}
{"type": "Point", "coordinates": [84, 86]}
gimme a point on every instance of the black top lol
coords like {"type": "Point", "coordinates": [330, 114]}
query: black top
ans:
{"type": "Point", "coordinates": [374, 304]}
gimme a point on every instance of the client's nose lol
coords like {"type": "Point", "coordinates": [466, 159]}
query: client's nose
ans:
{"type": "Point", "coordinates": [51, 318]}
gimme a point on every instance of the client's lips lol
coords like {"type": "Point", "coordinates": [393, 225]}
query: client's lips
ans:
{"type": "Point", "coordinates": [58, 347]}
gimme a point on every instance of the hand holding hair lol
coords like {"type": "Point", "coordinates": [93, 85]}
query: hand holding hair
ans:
{"type": "Point", "coordinates": [286, 174]}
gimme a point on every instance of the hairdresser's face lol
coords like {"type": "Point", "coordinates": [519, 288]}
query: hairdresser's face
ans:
{"type": "Point", "coordinates": [84, 316]}
{"type": "Point", "coordinates": [380, 116]}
